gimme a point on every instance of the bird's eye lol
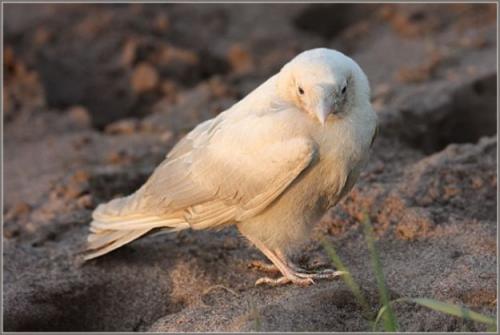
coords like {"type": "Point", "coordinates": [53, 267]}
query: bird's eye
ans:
{"type": "Point", "coordinates": [344, 89]}
{"type": "Point", "coordinates": [301, 91]}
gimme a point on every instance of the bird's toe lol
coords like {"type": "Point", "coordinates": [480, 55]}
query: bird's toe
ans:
{"type": "Point", "coordinates": [322, 274]}
{"type": "Point", "coordinates": [272, 281]}
{"type": "Point", "coordinates": [303, 282]}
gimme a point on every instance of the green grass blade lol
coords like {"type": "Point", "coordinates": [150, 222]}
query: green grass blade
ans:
{"type": "Point", "coordinates": [454, 310]}
{"type": "Point", "coordinates": [379, 316]}
{"type": "Point", "coordinates": [443, 307]}
{"type": "Point", "coordinates": [388, 317]}
{"type": "Point", "coordinates": [348, 279]}
{"type": "Point", "coordinates": [254, 312]}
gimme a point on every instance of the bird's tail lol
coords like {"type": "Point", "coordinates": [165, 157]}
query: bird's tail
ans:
{"type": "Point", "coordinates": [119, 222]}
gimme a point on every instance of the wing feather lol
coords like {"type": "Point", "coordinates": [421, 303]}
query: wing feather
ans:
{"type": "Point", "coordinates": [229, 170]}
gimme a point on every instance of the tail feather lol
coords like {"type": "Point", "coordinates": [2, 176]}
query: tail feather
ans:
{"type": "Point", "coordinates": [124, 238]}
{"type": "Point", "coordinates": [102, 238]}
{"type": "Point", "coordinates": [137, 222]}
{"type": "Point", "coordinates": [117, 223]}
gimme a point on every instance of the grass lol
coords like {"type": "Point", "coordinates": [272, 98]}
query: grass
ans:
{"type": "Point", "coordinates": [386, 313]}
{"type": "Point", "coordinates": [349, 280]}
{"type": "Point", "coordinates": [255, 315]}
{"type": "Point", "coordinates": [390, 323]}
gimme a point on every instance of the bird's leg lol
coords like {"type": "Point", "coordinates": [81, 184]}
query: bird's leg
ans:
{"type": "Point", "coordinates": [286, 271]}
{"type": "Point", "coordinates": [302, 273]}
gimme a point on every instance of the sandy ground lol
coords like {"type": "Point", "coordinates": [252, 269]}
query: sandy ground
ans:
{"type": "Point", "coordinates": [96, 95]}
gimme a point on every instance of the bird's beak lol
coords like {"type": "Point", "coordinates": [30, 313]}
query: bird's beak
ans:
{"type": "Point", "coordinates": [322, 111]}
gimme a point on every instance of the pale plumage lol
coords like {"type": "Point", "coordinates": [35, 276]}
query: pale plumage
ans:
{"type": "Point", "coordinates": [272, 164]}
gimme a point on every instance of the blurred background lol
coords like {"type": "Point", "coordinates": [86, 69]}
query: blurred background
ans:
{"type": "Point", "coordinates": [121, 61]}
{"type": "Point", "coordinates": [95, 95]}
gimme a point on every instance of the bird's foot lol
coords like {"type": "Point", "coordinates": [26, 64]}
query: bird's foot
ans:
{"type": "Point", "coordinates": [263, 266]}
{"type": "Point", "coordinates": [321, 274]}
{"type": "Point", "coordinates": [284, 281]}
{"type": "Point", "coordinates": [300, 278]}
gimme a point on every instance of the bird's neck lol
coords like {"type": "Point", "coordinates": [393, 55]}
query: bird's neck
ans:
{"type": "Point", "coordinates": [263, 96]}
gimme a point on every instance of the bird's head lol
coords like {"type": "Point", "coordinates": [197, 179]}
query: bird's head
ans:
{"type": "Point", "coordinates": [324, 82]}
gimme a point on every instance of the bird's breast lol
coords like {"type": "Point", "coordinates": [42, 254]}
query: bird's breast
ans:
{"type": "Point", "coordinates": [343, 150]}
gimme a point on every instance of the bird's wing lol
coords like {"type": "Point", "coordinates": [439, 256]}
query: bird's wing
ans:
{"type": "Point", "coordinates": [228, 170]}
{"type": "Point", "coordinates": [185, 145]}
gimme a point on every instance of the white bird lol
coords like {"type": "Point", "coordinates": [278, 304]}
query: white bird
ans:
{"type": "Point", "coordinates": [272, 165]}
